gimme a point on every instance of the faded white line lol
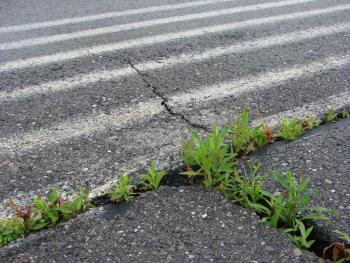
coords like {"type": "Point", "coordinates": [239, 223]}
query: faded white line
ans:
{"type": "Point", "coordinates": [261, 82]}
{"type": "Point", "coordinates": [85, 79]}
{"type": "Point", "coordinates": [128, 12]}
{"type": "Point", "coordinates": [317, 108]}
{"type": "Point", "coordinates": [122, 117]}
{"type": "Point", "coordinates": [160, 21]}
{"type": "Point", "coordinates": [101, 49]}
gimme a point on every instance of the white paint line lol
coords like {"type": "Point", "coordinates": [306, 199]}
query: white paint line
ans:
{"type": "Point", "coordinates": [73, 128]}
{"type": "Point", "coordinates": [317, 108]}
{"type": "Point", "coordinates": [90, 78]}
{"type": "Point", "coordinates": [128, 12]}
{"type": "Point", "coordinates": [314, 109]}
{"type": "Point", "coordinates": [145, 24]}
{"type": "Point", "coordinates": [260, 82]}
{"type": "Point", "coordinates": [122, 117]}
{"type": "Point", "coordinates": [100, 49]}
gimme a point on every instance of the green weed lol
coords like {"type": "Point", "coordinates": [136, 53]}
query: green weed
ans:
{"type": "Point", "coordinates": [290, 129]}
{"type": "Point", "coordinates": [246, 189]}
{"type": "Point", "coordinates": [41, 214]}
{"type": "Point", "coordinates": [123, 191]}
{"type": "Point", "coordinates": [284, 208]}
{"type": "Point", "coordinates": [343, 115]}
{"type": "Point", "coordinates": [10, 229]}
{"type": "Point", "coordinates": [331, 115]}
{"type": "Point", "coordinates": [343, 235]}
{"type": "Point", "coordinates": [49, 213]}
{"type": "Point", "coordinates": [310, 123]}
{"type": "Point", "coordinates": [246, 138]}
{"type": "Point", "coordinates": [299, 234]}
{"type": "Point", "coordinates": [152, 179]}
{"type": "Point", "coordinates": [208, 157]}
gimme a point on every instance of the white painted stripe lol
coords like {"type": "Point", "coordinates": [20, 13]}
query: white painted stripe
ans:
{"type": "Point", "coordinates": [100, 49]}
{"type": "Point", "coordinates": [128, 12]}
{"type": "Point", "coordinates": [123, 117]}
{"type": "Point", "coordinates": [261, 82]}
{"type": "Point", "coordinates": [145, 24]}
{"type": "Point", "coordinates": [85, 79]}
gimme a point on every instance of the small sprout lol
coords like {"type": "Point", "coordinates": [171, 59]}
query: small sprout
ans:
{"type": "Point", "coordinates": [152, 179]}
{"type": "Point", "coordinates": [331, 116]}
{"type": "Point", "coordinates": [123, 191]}
{"type": "Point", "coordinates": [290, 129]}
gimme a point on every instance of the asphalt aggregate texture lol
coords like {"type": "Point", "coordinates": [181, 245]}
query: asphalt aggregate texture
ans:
{"type": "Point", "coordinates": [175, 224]}
{"type": "Point", "coordinates": [81, 110]}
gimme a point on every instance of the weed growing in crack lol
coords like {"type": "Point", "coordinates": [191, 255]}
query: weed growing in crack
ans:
{"type": "Point", "coordinates": [213, 160]}
{"type": "Point", "coordinates": [310, 123]}
{"type": "Point", "coordinates": [152, 179]}
{"type": "Point", "coordinates": [299, 234]}
{"type": "Point", "coordinates": [123, 190]}
{"type": "Point", "coordinates": [10, 229]}
{"type": "Point", "coordinates": [41, 214]}
{"type": "Point", "coordinates": [331, 115]}
{"type": "Point", "coordinates": [246, 138]}
{"type": "Point", "coordinates": [343, 115]}
{"type": "Point", "coordinates": [284, 208]}
{"type": "Point", "coordinates": [290, 129]}
{"type": "Point", "coordinates": [49, 213]}
{"type": "Point", "coordinates": [246, 189]}
{"type": "Point", "coordinates": [209, 157]}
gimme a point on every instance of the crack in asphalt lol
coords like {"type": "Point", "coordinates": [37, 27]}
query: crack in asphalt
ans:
{"type": "Point", "coordinates": [145, 78]}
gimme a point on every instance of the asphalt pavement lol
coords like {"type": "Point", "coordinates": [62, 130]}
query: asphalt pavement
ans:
{"type": "Point", "coordinates": [89, 89]}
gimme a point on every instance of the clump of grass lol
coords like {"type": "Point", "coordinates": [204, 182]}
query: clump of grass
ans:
{"type": "Point", "coordinates": [123, 190]}
{"type": "Point", "coordinates": [284, 208]}
{"type": "Point", "coordinates": [41, 214]}
{"type": "Point", "coordinates": [310, 123]}
{"type": "Point", "coordinates": [49, 213]}
{"type": "Point", "coordinates": [343, 115]}
{"type": "Point", "coordinates": [331, 115]}
{"type": "Point", "coordinates": [290, 129]}
{"type": "Point", "coordinates": [152, 179]}
{"type": "Point", "coordinates": [208, 157]}
{"type": "Point", "coordinates": [11, 229]}
{"type": "Point", "coordinates": [246, 138]}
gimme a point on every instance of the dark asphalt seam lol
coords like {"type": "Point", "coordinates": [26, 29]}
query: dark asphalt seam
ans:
{"type": "Point", "coordinates": [145, 78]}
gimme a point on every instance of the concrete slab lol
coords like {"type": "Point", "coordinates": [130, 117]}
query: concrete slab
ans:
{"type": "Point", "coordinates": [322, 155]}
{"type": "Point", "coordinates": [185, 224]}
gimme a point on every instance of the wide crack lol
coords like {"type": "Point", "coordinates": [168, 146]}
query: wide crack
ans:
{"type": "Point", "coordinates": [146, 79]}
